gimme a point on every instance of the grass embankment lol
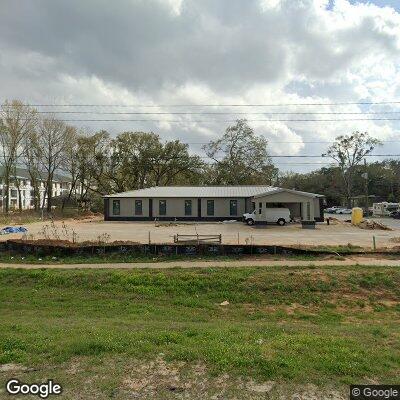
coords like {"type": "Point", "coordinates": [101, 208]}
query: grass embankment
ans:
{"type": "Point", "coordinates": [100, 333]}
{"type": "Point", "coordinates": [10, 257]}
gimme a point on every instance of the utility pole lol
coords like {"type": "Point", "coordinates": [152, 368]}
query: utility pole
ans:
{"type": "Point", "coordinates": [366, 188]}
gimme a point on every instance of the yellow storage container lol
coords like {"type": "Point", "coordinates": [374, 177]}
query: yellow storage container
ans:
{"type": "Point", "coordinates": [356, 215]}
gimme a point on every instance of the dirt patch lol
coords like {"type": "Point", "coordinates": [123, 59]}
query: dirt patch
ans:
{"type": "Point", "coordinates": [373, 225]}
{"type": "Point", "coordinates": [161, 380]}
{"type": "Point", "coordinates": [155, 377]}
{"type": "Point", "coordinates": [158, 379]}
{"type": "Point", "coordinates": [13, 368]}
{"type": "Point", "coordinates": [312, 392]}
{"type": "Point", "coordinates": [89, 216]}
{"type": "Point", "coordinates": [265, 387]}
{"type": "Point", "coordinates": [336, 221]}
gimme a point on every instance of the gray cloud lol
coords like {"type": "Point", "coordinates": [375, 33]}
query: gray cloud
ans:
{"type": "Point", "coordinates": [227, 44]}
{"type": "Point", "coordinates": [97, 51]}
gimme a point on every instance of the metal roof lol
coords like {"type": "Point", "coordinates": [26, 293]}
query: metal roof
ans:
{"type": "Point", "coordinates": [204, 191]}
{"type": "Point", "coordinates": [279, 190]}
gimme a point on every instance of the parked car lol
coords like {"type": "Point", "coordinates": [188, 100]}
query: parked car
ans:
{"type": "Point", "coordinates": [344, 211]}
{"type": "Point", "coordinates": [395, 214]}
{"type": "Point", "coordinates": [279, 216]}
{"type": "Point", "coordinates": [332, 210]}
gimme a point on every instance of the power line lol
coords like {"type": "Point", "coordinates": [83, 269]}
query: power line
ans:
{"type": "Point", "coordinates": [305, 163]}
{"type": "Point", "coordinates": [366, 155]}
{"type": "Point", "coordinates": [232, 120]}
{"type": "Point", "coordinates": [297, 163]}
{"type": "Point", "coordinates": [218, 105]}
{"type": "Point", "coordinates": [219, 113]}
{"type": "Point", "coordinates": [289, 142]}
{"type": "Point", "coordinates": [320, 156]}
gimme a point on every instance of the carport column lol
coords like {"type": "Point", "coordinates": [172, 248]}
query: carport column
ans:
{"type": "Point", "coordinates": [106, 209]}
{"type": "Point", "coordinates": [307, 211]}
{"type": "Point", "coordinates": [312, 212]}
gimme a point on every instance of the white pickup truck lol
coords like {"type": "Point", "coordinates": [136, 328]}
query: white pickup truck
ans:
{"type": "Point", "coordinates": [271, 215]}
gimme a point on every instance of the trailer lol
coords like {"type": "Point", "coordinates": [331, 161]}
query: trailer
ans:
{"type": "Point", "coordinates": [384, 209]}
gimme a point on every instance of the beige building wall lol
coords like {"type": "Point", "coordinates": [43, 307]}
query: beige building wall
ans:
{"type": "Point", "coordinates": [175, 207]}
{"type": "Point", "coordinates": [127, 207]}
{"type": "Point", "coordinates": [222, 207]}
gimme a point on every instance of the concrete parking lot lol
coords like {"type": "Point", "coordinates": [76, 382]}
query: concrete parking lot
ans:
{"type": "Point", "coordinates": [236, 232]}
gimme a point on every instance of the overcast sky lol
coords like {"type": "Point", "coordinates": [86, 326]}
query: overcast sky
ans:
{"type": "Point", "coordinates": [144, 52]}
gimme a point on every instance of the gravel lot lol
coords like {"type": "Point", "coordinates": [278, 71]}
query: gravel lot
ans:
{"type": "Point", "coordinates": [338, 234]}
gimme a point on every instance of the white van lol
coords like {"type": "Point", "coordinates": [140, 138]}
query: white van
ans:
{"type": "Point", "coordinates": [270, 215]}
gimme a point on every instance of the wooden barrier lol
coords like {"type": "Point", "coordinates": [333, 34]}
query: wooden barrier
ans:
{"type": "Point", "coordinates": [189, 239]}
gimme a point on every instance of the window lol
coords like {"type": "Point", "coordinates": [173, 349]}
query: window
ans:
{"type": "Point", "coordinates": [308, 212]}
{"type": "Point", "coordinates": [188, 207]}
{"type": "Point", "coordinates": [233, 206]}
{"type": "Point", "coordinates": [253, 206]}
{"type": "Point", "coordinates": [14, 193]}
{"type": "Point", "coordinates": [138, 207]}
{"type": "Point", "coordinates": [210, 207]}
{"type": "Point", "coordinates": [116, 207]}
{"type": "Point", "coordinates": [162, 207]}
{"type": "Point", "coordinates": [259, 208]}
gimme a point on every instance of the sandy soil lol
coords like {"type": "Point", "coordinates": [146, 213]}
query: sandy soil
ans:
{"type": "Point", "coordinates": [157, 379]}
{"type": "Point", "coordinates": [361, 261]}
{"type": "Point", "coordinates": [237, 232]}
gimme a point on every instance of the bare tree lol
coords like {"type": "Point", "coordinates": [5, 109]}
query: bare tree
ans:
{"type": "Point", "coordinates": [70, 165]}
{"type": "Point", "coordinates": [349, 151]}
{"type": "Point", "coordinates": [93, 158]}
{"type": "Point", "coordinates": [32, 162]}
{"type": "Point", "coordinates": [53, 141]}
{"type": "Point", "coordinates": [17, 121]}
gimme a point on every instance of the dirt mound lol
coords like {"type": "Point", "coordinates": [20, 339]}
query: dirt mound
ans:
{"type": "Point", "coordinates": [373, 225]}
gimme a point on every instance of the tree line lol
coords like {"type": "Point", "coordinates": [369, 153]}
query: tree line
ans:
{"type": "Point", "coordinates": [383, 182]}
{"type": "Point", "coordinates": [352, 176]}
{"type": "Point", "coordinates": [98, 164]}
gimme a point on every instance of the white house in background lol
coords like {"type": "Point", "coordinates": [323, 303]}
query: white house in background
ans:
{"type": "Point", "coordinates": [61, 186]}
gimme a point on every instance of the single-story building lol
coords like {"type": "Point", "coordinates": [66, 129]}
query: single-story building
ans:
{"type": "Point", "coordinates": [208, 203]}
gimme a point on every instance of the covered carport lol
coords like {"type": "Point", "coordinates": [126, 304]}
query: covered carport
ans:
{"type": "Point", "coordinates": [302, 205]}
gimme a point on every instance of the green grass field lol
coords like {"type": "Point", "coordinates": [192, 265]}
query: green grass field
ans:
{"type": "Point", "coordinates": [163, 334]}
{"type": "Point", "coordinates": [12, 257]}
